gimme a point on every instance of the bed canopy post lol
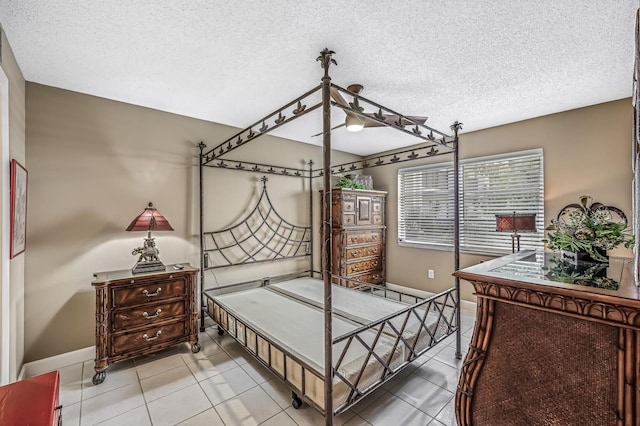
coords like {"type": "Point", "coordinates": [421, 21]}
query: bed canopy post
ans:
{"type": "Point", "coordinates": [456, 229]}
{"type": "Point", "coordinates": [310, 250]}
{"type": "Point", "coordinates": [325, 61]}
{"type": "Point", "coordinates": [202, 146]}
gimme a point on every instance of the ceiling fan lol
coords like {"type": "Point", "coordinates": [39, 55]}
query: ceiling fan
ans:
{"type": "Point", "coordinates": [355, 123]}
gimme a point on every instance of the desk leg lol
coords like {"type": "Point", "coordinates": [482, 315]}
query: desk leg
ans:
{"type": "Point", "coordinates": [628, 381]}
{"type": "Point", "coordinates": [473, 362]}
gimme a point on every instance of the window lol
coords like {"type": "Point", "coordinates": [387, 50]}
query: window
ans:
{"type": "Point", "coordinates": [488, 186]}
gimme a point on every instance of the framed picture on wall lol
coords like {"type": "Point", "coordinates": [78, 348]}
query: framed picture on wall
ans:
{"type": "Point", "coordinates": [18, 211]}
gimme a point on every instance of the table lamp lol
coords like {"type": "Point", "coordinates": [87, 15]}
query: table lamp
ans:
{"type": "Point", "coordinates": [513, 223]}
{"type": "Point", "coordinates": [149, 220]}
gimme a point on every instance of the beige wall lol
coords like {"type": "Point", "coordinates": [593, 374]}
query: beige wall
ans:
{"type": "Point", "coordinates": [16, 151]}
{"type": "Point", "coordinates": [586, 151]}
{"type": "Point", "coordinates": [93, 166]}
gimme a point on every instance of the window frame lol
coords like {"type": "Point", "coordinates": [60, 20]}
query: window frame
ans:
{"type": "Point", "coordinates": [462, 163]}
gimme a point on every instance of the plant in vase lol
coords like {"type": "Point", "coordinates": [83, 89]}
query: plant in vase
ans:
{"type": "Point", "coordinates": [588, 227]}
{"type": "Point", "coordinates": [345, 182]}
{"type": "Point", "coordinates": [593, 275]}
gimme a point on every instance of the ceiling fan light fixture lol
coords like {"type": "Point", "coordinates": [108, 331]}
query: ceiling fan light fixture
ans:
{"type": "Point", "coordinates": [353, 123]}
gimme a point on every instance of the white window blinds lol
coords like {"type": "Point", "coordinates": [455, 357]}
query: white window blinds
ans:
{"type": "Point", "coordinates": [489, 186]}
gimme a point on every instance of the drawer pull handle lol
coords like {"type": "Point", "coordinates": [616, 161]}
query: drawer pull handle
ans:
{"type": "Point", "coordinates": [147, 316]}
{"type": "Point", "coordinates": [375, 263]}
{"type": "Point", "coordinates": [376, 276]}
{"type": "Point", "coordinates": [354, 239]}
{"type": "Point", "coordinates": [374, 236]}
{"type": "Point", "coordinates": [155, 293]}
{"type": "Point", "coordinates": [150, 339]}
{"type": "Point", "coordinates": [355, 253]}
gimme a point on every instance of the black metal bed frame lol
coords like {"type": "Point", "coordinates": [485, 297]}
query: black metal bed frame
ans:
{"type": "Point", "coordinates": [437, 143]}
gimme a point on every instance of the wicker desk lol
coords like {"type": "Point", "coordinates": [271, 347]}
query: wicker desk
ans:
{"type": "Point", "coordinates": [548, 353]}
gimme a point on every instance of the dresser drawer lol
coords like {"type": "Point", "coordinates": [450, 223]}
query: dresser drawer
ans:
{"type": "Point", "coordinates": [366, 251]}
{"type": "Point", "coordinates": [131, 342]}
{"type": "Point", "coordinates": [364, 265]}
{"type": "Point", "coordinates": [374, 277]}
{"type": "Point", "coordinates": [149, 292]}
{"type": "Point", "coordinates": [348, 219]}
{"type": "Point", "coordinates": [147, 314]}
{"type": "Point", "coordinates": [364, 237]}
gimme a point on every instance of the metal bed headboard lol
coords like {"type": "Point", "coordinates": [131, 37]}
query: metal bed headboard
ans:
{"type": "Point", "coordinates": [262, 236]}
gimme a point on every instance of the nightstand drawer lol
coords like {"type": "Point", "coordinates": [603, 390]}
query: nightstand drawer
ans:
{"type": "Point", "coordinates": [149, 292]}
{"type": "Point", "coordinates": [130, 342]}
{"type": "Point", "coordinates": [367, 251]}
{"type": "Point", "coordinates": [147, 315]}
{"type": "Point", "coordinates": [364, 237]}
{"type": "Point", "coordinates": [364, 265]}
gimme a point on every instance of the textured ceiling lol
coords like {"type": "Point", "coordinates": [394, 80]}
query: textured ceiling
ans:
{"type": "Point", "coordinates": [484, 63]}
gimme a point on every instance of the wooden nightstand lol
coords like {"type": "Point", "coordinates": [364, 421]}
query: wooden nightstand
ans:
{"type": "Point", "coordinates": [143, 313]}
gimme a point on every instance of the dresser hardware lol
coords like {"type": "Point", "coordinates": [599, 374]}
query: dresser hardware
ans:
{"type": "Point", "coordinates": [132, 281]}
{"type": "Point", "coordinates": [375, 263]}
{"type": "Point", "coordinates": [147, 316]}
{"type": "Point", "coordinates": [155, 293]}
{"type": "Point", "coordinates": [355, 253]}
{"type": "Point", "coordinates": [374, 250]}
{"type": "Point", "coordinates": [149, 339]}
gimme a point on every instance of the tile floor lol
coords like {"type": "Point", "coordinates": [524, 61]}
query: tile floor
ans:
{"type": "Point", "coordinates": [223, 385]}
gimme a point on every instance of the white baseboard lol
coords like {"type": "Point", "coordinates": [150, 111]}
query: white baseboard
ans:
{"type": "Point", "coordinates": [56, 362]}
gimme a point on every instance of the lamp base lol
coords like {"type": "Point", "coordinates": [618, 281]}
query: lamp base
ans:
{"type": "Point", "coordinates": [148, 266]}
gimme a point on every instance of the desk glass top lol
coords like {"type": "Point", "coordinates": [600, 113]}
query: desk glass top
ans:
{"type": "Point", "coordinates": [549, 267]}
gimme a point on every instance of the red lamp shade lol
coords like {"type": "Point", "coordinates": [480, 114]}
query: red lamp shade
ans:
{"type": "Point", "coordinates": [150, 220]}
{"type": "Point", "coordinates": [513, 223]}
{"type": "Point", "coordinates": [516, 222]}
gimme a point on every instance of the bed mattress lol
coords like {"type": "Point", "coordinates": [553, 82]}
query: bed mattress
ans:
{"type": "Point", "coordinates": [365, 308]}
{"type": "Point", "coordinates": [298, 328]}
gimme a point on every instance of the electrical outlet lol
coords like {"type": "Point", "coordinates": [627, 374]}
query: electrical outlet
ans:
{"type": "Point", "coordinates": [431, 273]}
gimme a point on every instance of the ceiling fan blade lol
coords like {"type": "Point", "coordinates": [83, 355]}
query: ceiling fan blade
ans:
{"type": "Point", "coordinates": [337, 97]}
{"type": "Point", "coordinates": [333, 128]}
{"type": "Point", "coordinates": [392, 119]}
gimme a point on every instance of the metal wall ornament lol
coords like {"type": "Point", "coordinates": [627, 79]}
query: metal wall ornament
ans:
{"type": "Point", "coordinates": [588, 228]}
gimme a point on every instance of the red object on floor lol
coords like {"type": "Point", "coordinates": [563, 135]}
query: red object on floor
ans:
{"type": "Point", "coordinates": [32, 401]}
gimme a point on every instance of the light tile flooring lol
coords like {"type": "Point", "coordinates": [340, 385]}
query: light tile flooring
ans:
{"type": "Point", "coordinates": [223, 385]}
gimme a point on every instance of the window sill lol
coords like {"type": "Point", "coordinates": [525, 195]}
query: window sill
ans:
{"type": "Point", "coordinates": [447, 247]}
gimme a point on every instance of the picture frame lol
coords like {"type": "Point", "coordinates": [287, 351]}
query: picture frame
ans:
{"type": "Point", "coordinates": [18, 212]}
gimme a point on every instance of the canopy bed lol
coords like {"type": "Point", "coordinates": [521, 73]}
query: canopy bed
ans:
{"type": "Point", "coordinates": [371, 332]}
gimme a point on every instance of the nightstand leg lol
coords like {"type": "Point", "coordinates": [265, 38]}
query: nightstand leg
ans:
{"type": "Point", "coordinates": [99, 376]}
